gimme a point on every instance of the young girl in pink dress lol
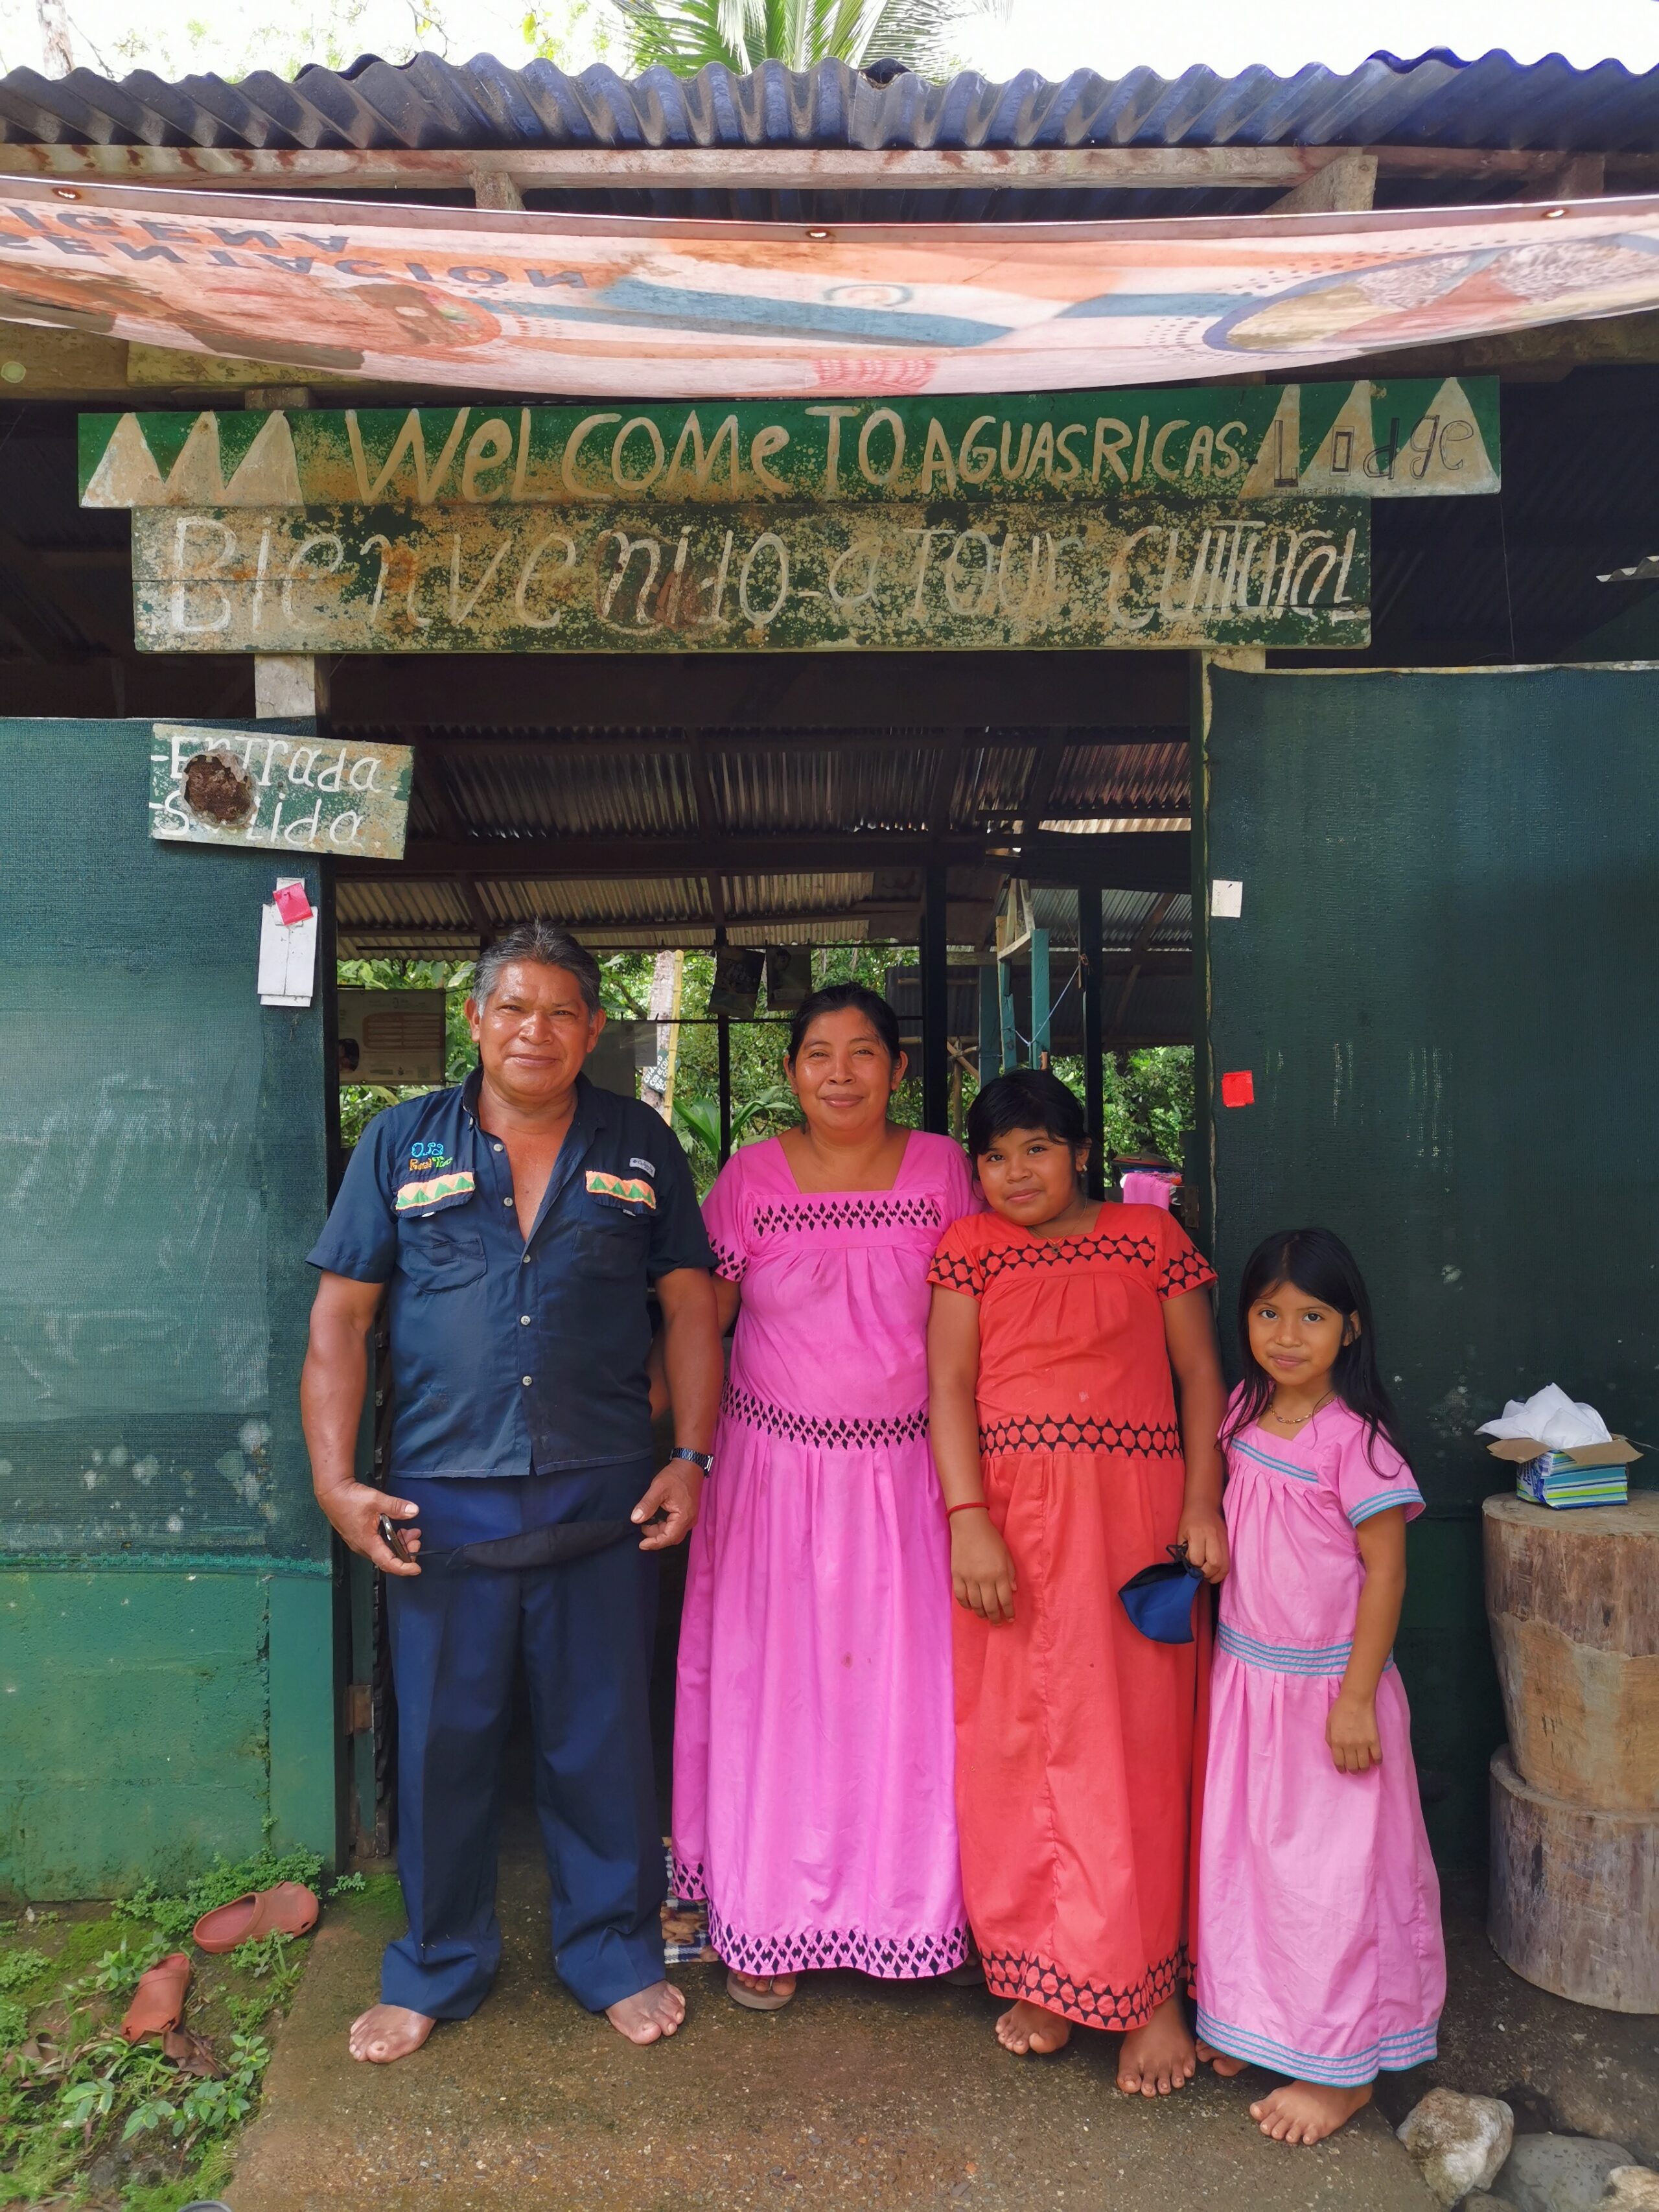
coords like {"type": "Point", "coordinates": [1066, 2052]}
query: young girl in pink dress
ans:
{"type": "Point", "coordinates": [814, 1741]}
{"type": "Point", "coordinates": [1320, 1953]}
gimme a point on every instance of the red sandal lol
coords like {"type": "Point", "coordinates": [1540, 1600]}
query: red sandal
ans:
{"type": "Point", "coordinates": [158, 2003]}
{"type": "Point", "coordinates": [287, 1909]}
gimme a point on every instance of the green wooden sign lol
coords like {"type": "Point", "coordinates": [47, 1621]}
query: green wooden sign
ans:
{"type": "Point", "coordinates": [1157, 570]}
{"type": "Point", "coordinates": [284, 794]}
{"type": "Point", "coordinates": [1367, 439]}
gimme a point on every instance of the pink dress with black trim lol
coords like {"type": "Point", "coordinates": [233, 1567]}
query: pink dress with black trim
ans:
{"type": "Point", "coordinates": [814, 1749]}
{"type": "Point", "coordinates": [1321, 1953]}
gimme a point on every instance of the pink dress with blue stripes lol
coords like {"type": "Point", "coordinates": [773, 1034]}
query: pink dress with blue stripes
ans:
{"type": "Point", "coordinates": [1320, 1952]}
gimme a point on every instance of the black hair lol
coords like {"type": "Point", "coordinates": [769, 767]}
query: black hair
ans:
{"type": "Point", "coordinates": [1319, 1265]}
{"type": "Point", "coordinates": [832, 999]}
{"type": "Point", "coordinates": [1025, 1098]}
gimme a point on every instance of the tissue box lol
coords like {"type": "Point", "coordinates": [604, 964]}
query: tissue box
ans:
{"type": "Point", "coordinates": [1593, 1475]}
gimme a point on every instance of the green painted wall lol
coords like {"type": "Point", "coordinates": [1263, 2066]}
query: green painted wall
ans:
{"type": "Point", "coordinates": [167, 1639]}
{"type": "Point", "coordinates": [1443, 981]}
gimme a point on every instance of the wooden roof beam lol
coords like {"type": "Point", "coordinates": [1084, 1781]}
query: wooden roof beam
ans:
{"type": "Point", "coordinates": [778, 169]}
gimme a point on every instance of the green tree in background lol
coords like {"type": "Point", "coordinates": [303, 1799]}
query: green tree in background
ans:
{"type": "Point", "coordinates": [1149, 1093]}
{"type": "Point", "coordinates": [687, 35]}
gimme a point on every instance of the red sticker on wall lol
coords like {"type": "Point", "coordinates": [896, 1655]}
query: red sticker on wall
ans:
{"type": "Point", "coordinates": [1238, 1088]}
{"type": "Point", "coordinates": [292, 903]}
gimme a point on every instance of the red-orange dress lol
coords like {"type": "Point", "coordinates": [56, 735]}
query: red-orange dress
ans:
{"type": "Point", "coordinates": [1076, 1737]}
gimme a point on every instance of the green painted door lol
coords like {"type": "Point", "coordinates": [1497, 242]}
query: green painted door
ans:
{"type": "Point", "coordinates": [167, 1607]}
{"type": "Point", "coordinates": [1442, 978]}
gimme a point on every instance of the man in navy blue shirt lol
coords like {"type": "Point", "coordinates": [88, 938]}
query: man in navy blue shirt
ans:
{"type": "Point", "coordinates": [514, 1225]}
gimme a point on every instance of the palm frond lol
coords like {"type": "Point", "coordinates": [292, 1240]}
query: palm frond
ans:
{"type": "Point", "coordinates": [687, 35]}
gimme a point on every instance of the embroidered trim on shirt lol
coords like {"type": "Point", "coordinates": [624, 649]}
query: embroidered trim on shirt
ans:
{"type": "Point", "coordinates": [1380, 1502]}
{"type": "Point", "coordinates": [1091, 2004]}
{"type": "Point", "coordinates": [411, 1194]}
{"type": "Point", "coordinates": [1392, 2054]}
{"type": "Point", "coordinates": [728, 1262]}
{"type": "Point", "coordinates": [628, 1188]}
{"type": "Point", "coordinates": [1323, 1659]}
{"type": "Point", "coordinates": [847, 1209]}
{"type": "Point", "coordinates": [1279, 1466]}
{"type": "Point", "coordinates": [1067, 1432]}
{"type": "Point", "coordinates": [832, 1430]}
{"type": "Point", "coordinates": [1182, 1271]}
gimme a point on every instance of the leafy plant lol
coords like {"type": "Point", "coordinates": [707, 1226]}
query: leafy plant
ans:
{"type": "Point", "coordinates": [700, 1118]}
{"type": "Point", "coordinates": [687, 35]}
{"type": "Point", "coordinates": [19, 1968]}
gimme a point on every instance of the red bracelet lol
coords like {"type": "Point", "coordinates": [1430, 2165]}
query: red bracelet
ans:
{"type": "Point", "coordinates": [973, 1505]}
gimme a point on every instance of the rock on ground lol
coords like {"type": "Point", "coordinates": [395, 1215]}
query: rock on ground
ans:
{"type": "Point", "coordinates": [1558, 2174]}
{"type": "Point", "coordinates": [1459, 2143]}
{"type": "Point", "coordinates": [1631, 2189]}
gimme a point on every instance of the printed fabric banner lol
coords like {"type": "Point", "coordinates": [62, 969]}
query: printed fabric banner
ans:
{"type": "Point", "coordinates": [578, 305]}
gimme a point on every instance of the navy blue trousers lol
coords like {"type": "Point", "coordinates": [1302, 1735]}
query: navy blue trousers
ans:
{"type": "Point", "coordinates": [584, 1631]}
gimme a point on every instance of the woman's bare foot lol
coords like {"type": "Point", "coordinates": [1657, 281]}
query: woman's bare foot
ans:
{"type": "Point", "coordinates": [1028, 2028]}
{"type": "Point", "coordinates": [648, 2014]}
{"type": "Point", "coordinates": [387, 2031]}
{"type": "Point", "coordinates": [1308, 2111]}
{"type": "Point", "coordinates": [1225, 2066]}
{"type": "Point", "coordinates": [760, 1992]}
{"type": "Point", "coordinates": [1158, 2058]}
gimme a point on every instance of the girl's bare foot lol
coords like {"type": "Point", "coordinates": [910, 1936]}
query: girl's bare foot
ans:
{"type": "Point", "coordinates": [1308, 2111]}
{"type": "Point", "coordinates": [1225, 2066]}
{"type": "Point", "coordinates": [648, 2014]}
{"type": "Point", "coordinates": [1028, 2028]}
{"type": "Point", "coordinates": [387, 2031]}
{"type": "Point", "coordinates": [1158, 2058]}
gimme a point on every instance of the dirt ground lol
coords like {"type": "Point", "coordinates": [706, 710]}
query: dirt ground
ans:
{"type": "Point", "coordinates": [861, 2094]}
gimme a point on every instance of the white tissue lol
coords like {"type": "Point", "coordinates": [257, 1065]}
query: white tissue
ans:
{"type": "Point", "coordinates": [1551, 1417]}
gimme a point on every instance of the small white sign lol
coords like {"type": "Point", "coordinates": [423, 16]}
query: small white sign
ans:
{"type": "Point", "coordinates": [1227, 900]}
{"type": "Point", "coordinates": [288, 955]}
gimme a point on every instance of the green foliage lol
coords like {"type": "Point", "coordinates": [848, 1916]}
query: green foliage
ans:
{"type": "Point", "coordinates": [19, 1968]}
{"type": "Point", "coordinates": [173, 1917]}
{"type": "Point", "coordinates": [75, 2097]}
{"type": "Point", "coordinates": [687, 35]}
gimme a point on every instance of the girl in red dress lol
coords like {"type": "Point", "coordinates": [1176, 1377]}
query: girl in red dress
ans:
{"type": "Point", "coordinates": [1061, 1331]}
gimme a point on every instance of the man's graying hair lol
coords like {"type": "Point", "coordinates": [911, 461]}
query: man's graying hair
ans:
{"type": "Point", "coordinates": [548, 946]}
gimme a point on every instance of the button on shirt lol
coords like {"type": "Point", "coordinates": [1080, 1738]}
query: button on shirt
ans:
{"type": "Point", "coordinates": [508, 1357]}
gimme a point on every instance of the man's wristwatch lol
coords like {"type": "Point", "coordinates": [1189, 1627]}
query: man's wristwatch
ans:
{"type": "Point", "coordinates": [704, 1460]}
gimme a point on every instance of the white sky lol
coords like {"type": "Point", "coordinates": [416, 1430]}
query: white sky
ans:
{"type": "Point", "coordinates": [1055, 36]}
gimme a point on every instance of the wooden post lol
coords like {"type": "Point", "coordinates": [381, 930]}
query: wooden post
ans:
{"type": "Point", "coordinates": [990, 1021]}
{"type": "Point", "coordinates": [494, 188]}
{"type": "Point", "coordinates": [1008, 1050]}
{"type": "Point", "coordinates": [1089, 954]}
{"type": "Point", "coordinates": [935, 1006]}
{"type": "Point", "coordinates": [1574, 1906]}
{"type": "Point", "coordinates": [1040, 980]}
{"type": "Point", "coordinates": [723, 1047]}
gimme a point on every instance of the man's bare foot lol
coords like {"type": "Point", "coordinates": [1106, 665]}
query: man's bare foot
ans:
{"type": "Point", "coordinates": [387, 2031]}
{"type": "Point", "coordinates": [1308, 2111]}
{"type": "Point", "coordinates": [1225, 2066]}
{"type": "Point", "coordinates": [1158, 2058]}
{"type": "Point", "coordinates": [648, 2014]}
{"type": "Point", "coordinates": [1028, 2028]}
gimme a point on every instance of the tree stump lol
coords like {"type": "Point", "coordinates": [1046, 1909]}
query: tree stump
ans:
{"type": "Point", "coordinates": [1573, 1599]}
{"type": "Point", "coordinates": [1575, 1895]}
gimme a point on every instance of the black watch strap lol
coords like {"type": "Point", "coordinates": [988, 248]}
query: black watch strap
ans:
{"type": "Point", "coordinates": [704, 1460]}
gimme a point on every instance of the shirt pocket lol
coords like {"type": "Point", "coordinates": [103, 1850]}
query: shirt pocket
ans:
{"type": "Point", "coordinates": [441, 1254]}
{"type": "Point", "coordinates": [613, 1240]}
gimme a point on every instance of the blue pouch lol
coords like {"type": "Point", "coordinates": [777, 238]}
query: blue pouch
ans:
{"type": "Point", "coordinates": [1159, 1600]}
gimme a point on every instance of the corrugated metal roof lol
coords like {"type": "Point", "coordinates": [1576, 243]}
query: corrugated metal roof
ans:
{"type": "Point", "coordinates": [1435, 100]}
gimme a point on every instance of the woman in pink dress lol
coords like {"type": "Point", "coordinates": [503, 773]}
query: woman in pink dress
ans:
{"type": "Point", "coordinates": [1320, 1954]}
{"type": "Point", "coordinates": [814, 1746]}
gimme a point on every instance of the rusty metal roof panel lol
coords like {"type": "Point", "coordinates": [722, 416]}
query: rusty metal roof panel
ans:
{"type": "Point", "coordinates": [1123, 916]}
{"type": "Point", "coordinates": [1436, 99]}
{"type": "Point", "coordinates": [805, 894]}
{"type": "Point", "coordinates": [518, 791]}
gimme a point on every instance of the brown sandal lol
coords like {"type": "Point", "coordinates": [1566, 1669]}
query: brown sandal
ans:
{"type": "Point", "coordinates": [158, 2003]}
{"type": "Point", "coordinates": [287, 1909]}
